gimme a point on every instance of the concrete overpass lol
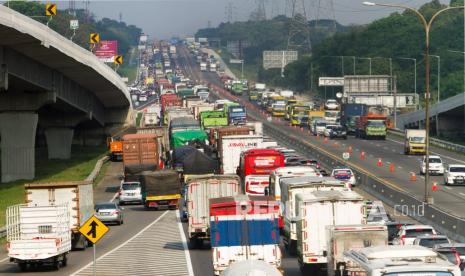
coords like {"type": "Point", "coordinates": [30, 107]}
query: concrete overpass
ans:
{"type": "Point", "coordinates": [447, 116]}
{"type": "Point", "coordinates": [52, 92]}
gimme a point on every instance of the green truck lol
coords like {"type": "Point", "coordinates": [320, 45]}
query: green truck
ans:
{"type": "Point", "coordinates": [181, 138]}
{"type": "Point", "coordinates": [209, 119]}
{"type": "Point", "coordinates": [185, 93]}
{"type": "Point", "coordinates": [237, 88]}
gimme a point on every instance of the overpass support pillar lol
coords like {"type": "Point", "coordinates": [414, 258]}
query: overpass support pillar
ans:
{"type": "Point", "coordinates": [59, 140]}
{"type": "Point", "coordinates": [18, 136]}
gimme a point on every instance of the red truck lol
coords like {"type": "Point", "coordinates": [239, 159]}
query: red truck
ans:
{"type": "Point", "coordinates": [371, 126]}
{"type": "Point", "coordinates": [255, 167]}
{"type": "Point", "coordinates": [169, 100]}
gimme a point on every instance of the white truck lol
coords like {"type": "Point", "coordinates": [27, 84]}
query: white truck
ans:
{"type": "Point", "coordinates": [280, 174]}
{"type": "Point", "coordinates": [231, 147]}
{"type": "Point", "coordinates": [315, 211]}
{"type": "Point", "coordinates": [398, 260]}
{"type": "Point", "coordinates": [151, 119]}
{"type": "Point", "coordinates": [199, 191]}
{"type": "Point", "coordinates": [415, 141]}
{"type": "Point", "coordinates": [213, 67]}
{"type": "Point", "coordinates": [38, 235]}
{"type": "Point", "coordinates": [79, 197]}
{"type": "Point", "coordinates": [342, 238]}
{"type": "Point", "coordinates": [203, 66]}
{"type": "Point", "coordinates": [173, 49]}
{"type": "Point", "coordinates": [292, 187]}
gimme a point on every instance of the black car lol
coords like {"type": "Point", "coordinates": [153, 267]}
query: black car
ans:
{"type": "Point", "coordinates": [338, 132]}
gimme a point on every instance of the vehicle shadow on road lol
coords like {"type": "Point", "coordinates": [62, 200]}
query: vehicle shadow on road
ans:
{"type": "Point", "coordinates": [174, 246]}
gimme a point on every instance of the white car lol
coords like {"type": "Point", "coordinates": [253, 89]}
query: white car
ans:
{"type": "Point", "coordinates": [331, 104]}
{"type": "Point", "coordinates": [436, 166]}
{"type": "Point", "coordinates": [344, 174]}
{"type": "Point", "coordinates": [408, 233]}
{"type": "Point", "coordinates": [328, 129]}
{"type": "Point", "coordinates": [130, 192]}
{"type": "Point", "coordinates": [454, 175]}
{"type": "Point", "coordinates": [318, 127]}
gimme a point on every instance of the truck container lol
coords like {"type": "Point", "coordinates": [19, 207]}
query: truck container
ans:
{"type": "Point", "coordinates": [371, 126]}
{"type": "Point", "coordinates": [315, 211]}
{"type": "Point", "coordinates": [199, 191]}
{"type": "Point", "coordinates": [287, 94]}
{"type": "Point", "coordinates": [140, 153]}
{"type": "Point", "coordinates": [191, 101]}
{"type": "Point", "coordinates": [175, 112]}
{"type": "Point", "coordinates": [397, 260]}
{"type": "Point", "coordinates": [186, 92]}
{"type": "Point", "coordinates": [160, 189]}
{"type": "Point", "coordinates": [210, 119]}
{"type": "Point", "coordinates": [415, 141]}
{"type": "Point", "coordinates": [299, 115]}
{"type": "Point", "coordinates": [203, 66]}
{"type": "Point", "coordinates": [349, 114]}
{"type": "Point", "coordinates": [220, 132]}
{"type": "Point", "coordinates": [280, 174]}
{"type": "Point", "coordinates": [290, 188]}
{"type": "Point", "coordinates": [342, 238]}
{"type": "Point", "coordinates": [213, 67]}
{"type": "Point", "coordinates": [244, 228]}
{"type": "Point", "coordinates": [231, 148]}
{"type": "Point", "coordinates": [251, 267]}
{"type": "Point", "coordinates": [163, 136]}
{"type": "Point", "coordinates": [151, 119]}
{"type": "Point", "coordinates": [169, 100]}
{"type": "Point", "coordinates": [197, 109]}
{"type": "Point", "coordinates": [183, 123]}
{"type": "Point", "coordinates": [255, 166]}
{"type": "Point", "coordinates": [38, 235]}
{"type": "Point", "coordinates": [182, 138]}
{"type": "Point", "coordinates": [76, 195]}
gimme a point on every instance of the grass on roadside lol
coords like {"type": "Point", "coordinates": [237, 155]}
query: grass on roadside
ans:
{"type": "Point", "coordinates": [80, 165]}
{"type": "Point", "coordinates": [250, 71]}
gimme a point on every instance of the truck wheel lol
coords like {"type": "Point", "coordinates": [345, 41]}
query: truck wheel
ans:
{"type": "Point", "coordinates": [193, 243]}
{"type": "Point", "coordinates": [22, 266]}
{"type": "Point", "coordinates": [56, 264]}
{"type": "Point", "coordinates": [64, 262]}
{"type": "Point", "coordinates": [292, 249]}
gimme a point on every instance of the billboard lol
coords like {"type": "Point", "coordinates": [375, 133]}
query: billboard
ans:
{"type": "Point", "coordinates": [143, 38]}
{"type": "Point", "coordinates": [402, 101]}
{"type": "Point", "coordinates": [106, 50]}
{"type": "Point", "coordinates": [278, 59]}
{"type": "Point", "coordinates": [367, 84]}
{"type": "Point", "coordinates": [330, 81]}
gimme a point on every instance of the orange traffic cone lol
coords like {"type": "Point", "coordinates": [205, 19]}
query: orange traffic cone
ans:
{"type": "Point", "coordinates": [380, 162]}
{"type": "Point", "coordinates": [413, 177]}
{"type": "Point", "coordinates": [362, 155]}
{"type": "Point", "coordinates": [350, 149]}
{"type": "Point", "coordinates": [325, 140]}
{"type": "Point", "coordinates": [434, 188]}
{"type": "Point", "coordinates": [318, 136]}
{"type": "Point", "coordinates": [392, 168]}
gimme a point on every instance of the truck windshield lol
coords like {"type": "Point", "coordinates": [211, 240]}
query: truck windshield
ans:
{"type": "Point", "coordinates": [416, 273]}
{"type": "Point", "coordinates": [417, 139]}
{"type": "Point", "coordinates": [237, 109]}
{"type": "Point", "coordinates": [332, 114]}
{"type": "Point", "coordinates": [376, 123]}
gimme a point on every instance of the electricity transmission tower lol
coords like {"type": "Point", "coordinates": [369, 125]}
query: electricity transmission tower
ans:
{"type": "Point", "coordinates": [229, 12]}
{"type": "Point", "coordinates": [72, 7]}
{"type": "Point", "coordinates": [87, 11]}
{"type": "Point", "coordinates": [299, 29]}
{"type": "Point", "coordinates": [325, 10]}
{"type": "Point", "coordinates": [259, 13]}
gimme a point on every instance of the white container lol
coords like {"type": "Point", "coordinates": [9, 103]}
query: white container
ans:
{"type": "Point", "coordinates": [317, 210]}
{"type": "Point", "coordinates": [77, 195]}
{"type": "Point", "coordinates": [151, 119]}
{"type": "Point", "coordinates": [288, 172]}
{"type": "Point", "coordinates": [199, 191]}
{"type": "Point", "coordinates": [38, 234]}
{"type": "Point", "coordinates": [231, 148]}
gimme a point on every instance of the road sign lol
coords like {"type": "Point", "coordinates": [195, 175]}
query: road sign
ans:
{"type": "Point", "coordinates": [93, 229]}
{"type": "Point", "coordinates": [118, 60]}
{"type": "Point", "coordinates": [94, 38]}
{"type": "Point", "coordinates": [346, 156]}
{"type": "Point", "coordinates": [50, 9]}
{"type": "Point", "coordinates": [330, 81]}
{"type": "Point", "coordinates": [74, 24]}
{"type": "Point", "coordinates": [235, 61]}
{"type": "Point", "coordinates": [278, 59]}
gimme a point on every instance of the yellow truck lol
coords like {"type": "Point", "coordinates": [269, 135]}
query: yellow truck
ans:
{"type": "Point", "coordinates": [275, 99]}
{"type": "Point", "coordinates": [415, 141]}
{"type": "Point", "coordinates": [315, 114]}
{"type": "Point", "coordinates": [299, 115]}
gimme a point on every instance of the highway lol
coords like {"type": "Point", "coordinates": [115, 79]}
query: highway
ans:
{"type": "Point", "coordinates": [148, 243]}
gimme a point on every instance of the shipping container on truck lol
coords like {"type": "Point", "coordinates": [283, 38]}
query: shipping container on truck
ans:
{"type": "Point", "coordinates": [200, 189]}
{"type": "Point", "coordinates": [169, 100]}
{"type": "Point", "coordinates": [217, 134]}
{"type": "Point", "coordinates": [255, 167]}
{"type": "Point", "coordinates": [175, 112]}
{"type": "Point", "coordinates": [280, 174]}
{"type": "Point", "coordinates": [160, 189]}
{"type": "Point", "coordinates": [192, 101]}
{"type": "Point", "coordinates": [140, 153]}
{"type": "Point", "coordinates": [163, 137]}
{"type": "Point", "coordinates": [76, 195]}
{"type": "Point", "coordinates": [315, 211]}
{"type": "Point", "coordinates": [183, 123]}
{"type": "Point", "coordinates": [350, 113]}
{"type": "Point", "coordinates": [244, 228]}
{"type": "Point", "coordinates": [231, 148]}
{"type": "Point", "coordinates": [38, 235]}
{"type": "Point", "coordinates": [342, 238]}
{"type": "Point", "coordinates": [289, 189]}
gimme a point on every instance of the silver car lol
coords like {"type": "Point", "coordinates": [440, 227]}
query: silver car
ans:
{"type": "Point", "coordinates": [130, 192]}
{"type": "Point", "coordinates": [109, 212]}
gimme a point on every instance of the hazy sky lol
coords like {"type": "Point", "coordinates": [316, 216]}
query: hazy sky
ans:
{"type": "Point", "coordinates": [164, 18]}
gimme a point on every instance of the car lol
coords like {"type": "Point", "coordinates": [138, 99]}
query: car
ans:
{"type": "Point", "coordinates": [331, 104]}
{"type": "Point", "coordinates": [458, 247]}
{"type": "Point", "coordinates": [313, 162]}
{"type": "Point", "coordinates": [436, 165]}
{"type": "Point", "coordinates": [454, 174]}
{"type": "Point", "coordinates": [452, 256]}
{"type": "Point", "coordinates": [328, 129]}
{"type": "Point", "coordinates": [130, 192]}
{"type": "Point", "coordinates": [338, 132]}
{"type": "Point", "coordinates": [109, 212]}
{"type": "Point", "coordinates": [393, 228]}
{"type": "Point", "coordinates": [344, 174]}
{"type": "Point", "coordinates": [408, 233]}
{"type": "Point", "coordinates": [430, 240]}
{"type": "Point", "coordinates": [318, 127]}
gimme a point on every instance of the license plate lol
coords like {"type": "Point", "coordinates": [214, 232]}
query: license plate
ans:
{"type": "Point", "coordinates": [130, 194]}
{"type": "Point", "coordinates": [104, 213]}
{"type": "Point", "coordinates": [162, 202]}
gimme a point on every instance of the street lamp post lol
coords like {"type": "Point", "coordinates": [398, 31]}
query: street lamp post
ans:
{"type": "Point", "coordinates": [415, 77]}
{"type": "Point", "coordinates": [369, 59]}
{"type": "Point", "coordinates": [427, 26]}
{"type": "Point", "coordinates": [439, 77]}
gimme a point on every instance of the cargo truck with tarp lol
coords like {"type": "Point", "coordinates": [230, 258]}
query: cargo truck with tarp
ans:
{"type": "Point", "coordinates": [209, 119]}
{"type": "Point", "coordinates": [160, 189]}
{"type": "Point", "coordinates": [183, 138]}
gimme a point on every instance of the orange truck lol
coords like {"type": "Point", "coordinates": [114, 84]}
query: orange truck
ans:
{"type": "Point", "coordinates": [115, 146]}
{"type": "Point", "coordinates": [371, 126]}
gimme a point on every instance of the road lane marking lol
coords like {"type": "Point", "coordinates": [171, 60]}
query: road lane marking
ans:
{"type": "Point", "coordinates": [184, 245]}
{"type": "Point", "coordinates": [121, 245]}
{"type": "Point", "coordinates": [399, 167]}
{"type": "Point", "coordinates": [114, 197]}
{"type": "Point", "coordinates": [4, 260]}
{"type": "Point", "coordinates": [448, 188]}
{"type": "Point", "coordinates": [462, 194]}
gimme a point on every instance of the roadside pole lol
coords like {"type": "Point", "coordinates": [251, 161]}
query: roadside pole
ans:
{"type": "Point", "coordinates": [94, 230]}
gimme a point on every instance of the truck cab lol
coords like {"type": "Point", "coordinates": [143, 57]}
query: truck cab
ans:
{"type": "Point", "coordinates": [299, 115]}
{"type": "Point", "coordinates": [415, 141]}
{"type": "Point", "coordinates": [236, 113]}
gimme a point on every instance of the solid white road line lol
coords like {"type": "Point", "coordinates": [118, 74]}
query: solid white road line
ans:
{"type": "Point", "coordinates": [184, 244]}
{"type": "Point", "coordinates": [448, 188]}
{"type": "Point", "coordinates": [4, 260]}
{"type": "Point", "coordinates": [114, 197]}
{"type": "Point", "coordinates": [123, 244]}
{"type": "Point", "coordinates": [462, 194]}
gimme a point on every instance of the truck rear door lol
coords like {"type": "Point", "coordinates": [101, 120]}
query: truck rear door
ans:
{"type": "Point", "coordinates": [317, 216]}
{"type": "Point", "coordinates": [263, 239]}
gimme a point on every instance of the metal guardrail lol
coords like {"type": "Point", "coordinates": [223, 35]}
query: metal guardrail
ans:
{"type": "Point", "coordinates": [2, 232]}
{"type": "Point", "coordinates": [435, 141]}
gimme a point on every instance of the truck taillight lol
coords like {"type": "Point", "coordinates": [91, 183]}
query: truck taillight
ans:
{"type": "Point", "coordinates": [280, 222]}
{"type": "Point", "coordinates": [458, 261]}
{"type": "Point", "coordinates": [402, 238]}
